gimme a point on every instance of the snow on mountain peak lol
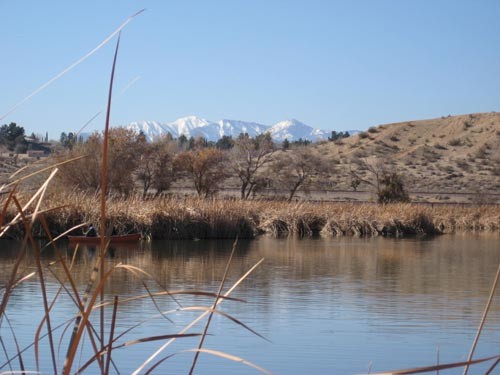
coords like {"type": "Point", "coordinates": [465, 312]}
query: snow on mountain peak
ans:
{"type": "Point", "coordinates": [294, 130]}
{"type": "Point", "coordinates": [193, 126]}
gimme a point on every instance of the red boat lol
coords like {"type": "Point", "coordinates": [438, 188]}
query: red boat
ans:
{"type": "Point", "coordinates": [126, 238]}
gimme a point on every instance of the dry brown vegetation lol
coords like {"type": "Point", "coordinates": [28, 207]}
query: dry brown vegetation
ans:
{"type": "Point", "coordinates": [171, 218]}
{"type": "Point", "coordinates": [454, 154]}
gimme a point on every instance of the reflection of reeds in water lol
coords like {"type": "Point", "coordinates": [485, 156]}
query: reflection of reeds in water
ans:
{"type": "Point", "coordinates": [94, 323]}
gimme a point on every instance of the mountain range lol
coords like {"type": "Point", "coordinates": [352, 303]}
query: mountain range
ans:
{"type": "Point", "coordinates": [193, 126]}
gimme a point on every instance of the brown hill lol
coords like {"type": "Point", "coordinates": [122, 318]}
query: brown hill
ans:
{"type": "Point", "coordinates": [454, 154]}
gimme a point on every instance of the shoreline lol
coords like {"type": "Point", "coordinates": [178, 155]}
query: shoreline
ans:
{"type": "Point", "coordinates": [193, 218]}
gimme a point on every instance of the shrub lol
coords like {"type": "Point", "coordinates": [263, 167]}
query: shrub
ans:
{"type": "Point", "coordinates": [482, 152]}
{"type": "Point", "coordinates": [21, 148]}
{"type": "Point", "coordinates": [440, 146]}
{"type": "Point", "coordinates": [467, 124]}
{"type": "Point", "coordinates": [462, 164]}
{"type": "Point", "coordinates": [363, 135]}
{"type": "Point", "coordinates": [392, 189]}
{"type": "Point", "coordinates": [455, 142]}
{"type": "Point", "coordinates": [336, 136]}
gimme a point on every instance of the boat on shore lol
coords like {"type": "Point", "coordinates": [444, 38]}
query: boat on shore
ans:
{"type": "Point", "coordinates": [125, 238]}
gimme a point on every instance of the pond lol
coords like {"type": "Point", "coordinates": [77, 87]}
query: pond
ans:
{"type": "Point", "coordinates": [325, 306]}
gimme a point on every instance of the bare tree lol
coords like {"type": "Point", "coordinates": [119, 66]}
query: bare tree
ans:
{"type": "Point", "coordinates": [248, 158]}
{"type": "Point", "coordinates": [156, 166]}
{"type": "Point", "coordinates": [84, 174]}
{"type": "Point", "coordinates": [204, 167]}
{"type": "Point", "coordinates": [388, 184]}
{"type": "Point", "coordinates": [300, 168]}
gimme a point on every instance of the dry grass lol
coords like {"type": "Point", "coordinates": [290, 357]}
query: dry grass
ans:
{"type": "Point", "coordinates": [189, 218]}
{"type": "Point", "coordinates": [440, 143]}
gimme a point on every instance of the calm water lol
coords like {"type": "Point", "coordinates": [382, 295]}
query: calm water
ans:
{"type": "Point", "coordinates": [327, 306]}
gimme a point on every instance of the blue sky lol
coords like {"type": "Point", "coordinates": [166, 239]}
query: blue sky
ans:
{"type": "Point", "coordinates": [335, 65]}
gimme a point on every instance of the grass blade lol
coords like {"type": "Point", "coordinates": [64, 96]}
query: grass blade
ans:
{"type": "Point", "coordinates": [70, 67]}
{"type": "Point", "coordinates": [175, 292]}
{"type": "Point", "coordinates": [35, 196]}
{"type": "Point", "coordinates": [195, 321]}
{"type": "Point", "coordinates": [483, 319]}
{"type": "Point", "coordinates": [111, 334]}
{"type": "Point", "coordinates": [493, 366]}
{"type": "Point", "coordinates": [421, 370]}
{"type": "Point", "coordinates": [211, 312]}
{"type": "Point", "coordinates": [64, 234]}
{"type": "Point", "coordinates": [222, 313]}
{"type": "Point", "coordinates": [231, 358]}
{"type": "Point", "coordinates": [156, 303]}
{"type": "Point", "coordinates": [18, 349]}
{"type": "Point", "coordinates": [102, 249]}
{"type": "Point", "coordinates": [214, 353]}
{"type": "Point", "coordinates": [41, 278]}
{"type": "Point", "coordinates": [134, 342]}
{"type": "Point", "coordinates": [50, 167]}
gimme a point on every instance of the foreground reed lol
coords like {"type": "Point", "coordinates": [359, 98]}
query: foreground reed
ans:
{"type": "Point", "coordinates": [189, 218]}
{"type": "Point", "coordinates": [94, 336]}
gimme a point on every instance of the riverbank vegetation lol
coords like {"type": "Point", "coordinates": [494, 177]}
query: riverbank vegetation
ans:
{"type": "Point", "coordinates": [192, 217]}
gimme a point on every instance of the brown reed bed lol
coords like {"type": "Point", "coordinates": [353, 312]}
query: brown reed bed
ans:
{"type": "Point", "coordinates": [191, 218]}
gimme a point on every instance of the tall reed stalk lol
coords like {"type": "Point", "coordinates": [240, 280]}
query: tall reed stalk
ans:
{"type": "Point", "coordinates": [31, 215]}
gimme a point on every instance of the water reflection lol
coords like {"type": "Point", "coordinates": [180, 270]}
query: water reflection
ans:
{"type": "Point", "coordinates": [328, 305]}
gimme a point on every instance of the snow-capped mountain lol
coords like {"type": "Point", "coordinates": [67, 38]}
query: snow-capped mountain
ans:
{"type": "Point", "coordinates": [293, 130]}
{"type": "Point", "coordinates": [192, 126]}
{"type": "Point", "coordinates": [235, 128]}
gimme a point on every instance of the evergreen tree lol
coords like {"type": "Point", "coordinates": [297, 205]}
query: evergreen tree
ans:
{"type": "Point", "coordinates": [301, 142]}
{"type": "Point", "coordinates": [225, 143]}
{"type": "Point", "coordinates": [67, 140]}
{"type": "Point", "coordinates": [11, 135]}
{"type": "Point", "coordinates": [182, 141]}
{"type": "Point", "coordinates": [285, 145]}
{"type": "Point", "coordinates": [337, 135]}
{"type": "Point", "coordinates": [191, 143]}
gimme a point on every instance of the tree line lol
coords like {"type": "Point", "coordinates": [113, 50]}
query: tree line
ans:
{"type": "Point", "coordinates": [150, 168]}
{"type": "Point", "coordinates": [256, 163]}
{"type": "Point", "coordinates": [134, 164]}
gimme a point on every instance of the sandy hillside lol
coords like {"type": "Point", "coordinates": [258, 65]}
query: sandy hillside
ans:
{"type": "Point", "coordinates": [455, 154]}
